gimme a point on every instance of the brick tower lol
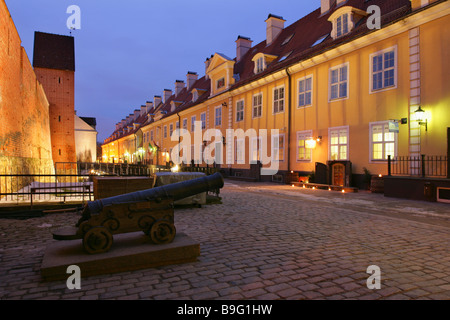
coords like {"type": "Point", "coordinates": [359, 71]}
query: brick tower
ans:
{"type": "Point", "coordinates": [54, 65]}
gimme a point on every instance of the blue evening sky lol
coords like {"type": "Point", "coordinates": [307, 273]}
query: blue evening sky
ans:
{"type": "Point", "coordinates": [129, 51]}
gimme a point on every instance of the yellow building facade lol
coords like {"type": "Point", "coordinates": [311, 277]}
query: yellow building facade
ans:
{"type": "Point", "coordinates": [338, 92]}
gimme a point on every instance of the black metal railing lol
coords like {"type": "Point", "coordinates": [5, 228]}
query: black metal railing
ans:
{"type": "Point", "coordinates": [423, 166]}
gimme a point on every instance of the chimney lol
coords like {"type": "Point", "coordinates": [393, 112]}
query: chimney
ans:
{"type": "Point", "coordinates": [179, 85]}
{"type": "Point", "coordinates": [243, 44]}
{"type": "Point", "coordinates": [191, 78]}
{"type": "Point", "coordinates": [417, 4]}
{"type": "Point", "coordinates": [156, 101]}
{"type": "Point", "coordinates": [137, 113]}
{"type": "Point", "coordinates": [149, 106]}
{"type": "Point", "coordinates": [275, 24]}
{"type": "Point", "coordinates": [117, 126]}
{"type": "Point", "coordinates": [325, 5]}
{"type": "Point", "coordinates": [143, 110]}
{"type": "Point", "coordinates": [166, 95]}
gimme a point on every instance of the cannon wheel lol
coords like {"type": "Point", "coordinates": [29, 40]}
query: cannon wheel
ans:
{"type": "Point", "coordinates": [97, 240]}
{"type": "Point", "coordinates": [162, 232]}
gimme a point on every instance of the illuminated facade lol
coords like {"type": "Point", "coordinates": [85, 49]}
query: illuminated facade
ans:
{"type": "Point", "coordinates": [340, 94]}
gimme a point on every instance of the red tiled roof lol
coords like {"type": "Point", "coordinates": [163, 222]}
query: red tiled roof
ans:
{"type": "Point", "coordinates": [296, 43]}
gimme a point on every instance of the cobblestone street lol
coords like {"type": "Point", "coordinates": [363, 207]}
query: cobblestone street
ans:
{"type": "Point", "coordinates": [266, 241]}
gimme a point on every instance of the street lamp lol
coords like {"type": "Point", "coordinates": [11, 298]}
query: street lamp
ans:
{"type": "Point", "coordinates": [420, 117]}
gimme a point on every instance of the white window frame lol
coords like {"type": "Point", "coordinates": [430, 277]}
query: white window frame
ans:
{"type": "Point", "coordinates": [260, 106]}
{"type": "Point", "coordinates": [242, 112]}
{"type": "Point", "coordinates": [305, 91]}
{"type": "Point", "coordinates": [339, 83]}
{"type": "Point", "coordinates": [258, 142]}
{"type": "Point", "coordinates": [165, 132]}
{"type": "Point", "coordinates": [193, 119]}
{"type": "Point", "coordinates": [185, 123]}
{"type": "Point", "coordinates": [216, 118]}
{"type": "Point", "coordinates": [152, 136]}
{"type": "Point", "coordinates": [304, 135]}
{"type": "Point", "coordinates": [343, 25]}
{"type": "Point", "coordinates": [395, 68]}
{"type": "Point", "coordinates": [218, 153]}
{"type": "Point", "coordinates": [239, 154]}
{"type": "Point", "coordinates": [170, 129]}
{"type": "Point", "coordinates": [371, 142]}
{"type": "Point", "coordinates": [203, 120]}
{"type": "Point", "coordinates": [279, 100]}
{"type": "Point", "coordinates": [260, 64]}
{"type": "Point", "coordinates": [276, 148]}
{"type": "Point", "coordinates": [339, 144]}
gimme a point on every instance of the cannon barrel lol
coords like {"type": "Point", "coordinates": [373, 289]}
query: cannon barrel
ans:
{"type": "Point", "coordinates": [175, 191]}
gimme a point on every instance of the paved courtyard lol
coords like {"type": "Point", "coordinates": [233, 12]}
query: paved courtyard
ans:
{"type": "Point", "coordinates": [265, 242]}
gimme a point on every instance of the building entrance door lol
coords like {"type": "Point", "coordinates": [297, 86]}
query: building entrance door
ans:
{"type": "Point", "coordinates": [338, 175]}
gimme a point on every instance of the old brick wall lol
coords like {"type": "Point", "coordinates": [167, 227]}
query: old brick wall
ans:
{"type": "Point", "coordinates": [59, 86]}
{"type": "Point", "coordinates": [25, 143]}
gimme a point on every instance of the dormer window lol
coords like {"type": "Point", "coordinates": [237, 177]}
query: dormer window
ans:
{"type": "Point", "coordinates": [344, 20]}
{"type": "Point", "coordinates": [261, 61]}
{"type": "Point", "coordinates": [342, 25]}
{"type": "Point", "coordinates": [260, 65]}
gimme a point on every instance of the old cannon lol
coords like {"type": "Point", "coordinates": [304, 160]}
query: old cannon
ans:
{"type": "Point", "coordinates": [150, 211]}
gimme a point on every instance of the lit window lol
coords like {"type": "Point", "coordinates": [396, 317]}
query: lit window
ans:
{"type": "Point", "coordinates": [338, 143]}
{"type": "Point", "coordinates": [305, 92]}
{"type": "Point", "coordinates": [278, 148]}
{"type": "Point", "coordinates": [339, 82]}
{"type": "Point", "coordinates": [240, 111]}
{"type": "Point", "coordinates": [257, 105]}
{"type": "Point", "coordinates": [303, 153]}
{"type": "Point", "coordinates": [278, 100]}
{"type": "Point", "coordinates": [383, 142]}
{"type": "Point", "coordinates": [383, 70]}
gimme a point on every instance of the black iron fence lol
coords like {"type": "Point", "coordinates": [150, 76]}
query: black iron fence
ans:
{"type": "Point", "coordinates": [423, 166]}
{"type": "Point", "coordinates": [70, 181]}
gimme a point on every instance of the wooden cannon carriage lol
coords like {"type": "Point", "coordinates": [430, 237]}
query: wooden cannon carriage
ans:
{"type": "Point", "coordinates": [150, 211]}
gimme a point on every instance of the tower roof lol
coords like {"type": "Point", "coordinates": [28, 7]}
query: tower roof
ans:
{"type": "Point", "coordinates": [54, 51]}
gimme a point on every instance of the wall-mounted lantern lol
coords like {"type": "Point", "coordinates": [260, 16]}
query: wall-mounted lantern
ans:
{"type": "Point", "coordinates": [312, 143]}
{"type": "Point", "coordinates": [421, 118]}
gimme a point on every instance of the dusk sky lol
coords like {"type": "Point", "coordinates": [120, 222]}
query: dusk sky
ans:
{"type": "Point", "coordinates": [129, 51]}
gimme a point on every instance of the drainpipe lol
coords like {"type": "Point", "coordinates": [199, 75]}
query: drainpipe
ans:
{"type": "Point", "coordinates": [289, 120]}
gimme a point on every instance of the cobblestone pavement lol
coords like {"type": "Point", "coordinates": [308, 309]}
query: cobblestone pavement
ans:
{"type": "Point", "coordinates": [265, 242]}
